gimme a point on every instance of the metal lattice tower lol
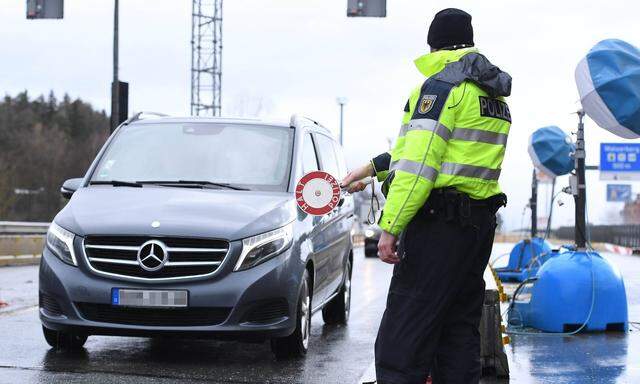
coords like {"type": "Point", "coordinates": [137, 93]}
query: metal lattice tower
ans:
{"type": "Point", "coordinates": [206, 58]}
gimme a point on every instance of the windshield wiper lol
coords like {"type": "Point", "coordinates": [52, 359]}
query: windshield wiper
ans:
{"type": "Point", "coordinates": [196, 183]}
{"type": "Point", "coordinates": [116, 183]}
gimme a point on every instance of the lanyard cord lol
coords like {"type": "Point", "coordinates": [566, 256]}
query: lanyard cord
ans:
{"type": "Point", "coordinates": [371, 215]}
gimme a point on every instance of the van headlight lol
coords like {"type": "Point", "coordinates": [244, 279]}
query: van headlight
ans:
{"type": "Point", "coordinates": [260, 248]}
{"type": "Point", "coordinates": [60, 242]}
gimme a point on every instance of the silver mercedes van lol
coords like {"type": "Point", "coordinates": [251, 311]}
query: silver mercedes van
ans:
{"type": "Point", "coordinates": [189, 227]}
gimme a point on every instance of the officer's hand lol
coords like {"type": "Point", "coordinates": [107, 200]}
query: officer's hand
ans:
{"type": "Point", "coordinates": [387, 248]}
{"type": "Point", "coordinates": [351, 181]}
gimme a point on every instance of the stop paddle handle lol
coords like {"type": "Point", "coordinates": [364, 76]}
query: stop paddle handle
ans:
{"type": "Point", "coordinates": [366, 181]}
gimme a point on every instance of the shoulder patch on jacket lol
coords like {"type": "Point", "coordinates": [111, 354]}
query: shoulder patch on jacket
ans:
{"type": "Point", "coordinates": [426, 103]}
{"type": "Point", "coordinates": [433, 96]}
{"type": "Point", "coordinates": [494, 108]}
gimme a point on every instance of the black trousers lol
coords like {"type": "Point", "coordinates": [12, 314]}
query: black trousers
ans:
{"type": "Point", "coordinates": [434, 305]}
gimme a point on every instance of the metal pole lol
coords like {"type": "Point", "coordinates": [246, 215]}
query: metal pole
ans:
{"type": "Point", "coordinates": [193, 58]}
{"type": "Point", "coordinates": [341, 102]}
{"type": "Point", "coordinates": [115, 89]}
{"type": "Point", "coordinates": [533, 202]}
{"type": "Point", "coordinates": [581, 195]}
{"type": "Point", "coordinates": [341, 122]}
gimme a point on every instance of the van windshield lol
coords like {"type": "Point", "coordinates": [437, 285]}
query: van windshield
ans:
{"type": "Point", "coordinates": [244, 156]}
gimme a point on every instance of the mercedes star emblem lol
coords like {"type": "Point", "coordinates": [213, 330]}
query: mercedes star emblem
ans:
{"type": "Point", "coordinates": [153, 255]}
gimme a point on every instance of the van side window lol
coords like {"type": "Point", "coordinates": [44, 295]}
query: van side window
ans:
{"type": "Point", "coordinates": [328, 160]}
{"type": "Point", "coordinates": [342, 165]}
{"type": "Point", "coordinates": [309, 159]}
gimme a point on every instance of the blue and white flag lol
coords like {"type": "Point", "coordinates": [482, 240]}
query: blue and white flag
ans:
{"type": "Point", "coordinates": [608, 80]}
{"type": "Point", "coordinates": [551, 151]}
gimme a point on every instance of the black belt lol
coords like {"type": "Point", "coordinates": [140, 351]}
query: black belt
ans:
{"type": "Point", "coordinates": [455, 205]}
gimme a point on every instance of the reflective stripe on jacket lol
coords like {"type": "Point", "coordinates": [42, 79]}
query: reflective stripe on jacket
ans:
{"type": "Point", "coordinates": [453, 134]}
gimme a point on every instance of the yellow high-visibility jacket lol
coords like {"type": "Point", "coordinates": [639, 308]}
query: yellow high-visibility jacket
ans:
{"type": "Point", "coordinates": [453, 134]}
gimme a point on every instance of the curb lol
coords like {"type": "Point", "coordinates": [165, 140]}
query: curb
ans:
{"type": "Point", "coordinates": [13, 260]}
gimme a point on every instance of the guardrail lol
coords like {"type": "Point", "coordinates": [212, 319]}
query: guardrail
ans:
{"type": "Point", "coordinates": [624, 235]}
{"type": "Point", "coordinates": [23, 228]}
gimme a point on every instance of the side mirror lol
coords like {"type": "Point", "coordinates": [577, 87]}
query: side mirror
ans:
{"type": "Point", "coordinates": [69, 187]}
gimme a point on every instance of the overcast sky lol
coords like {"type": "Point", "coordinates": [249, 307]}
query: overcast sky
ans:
{"type": "Point", "coordinates": [286, 56]}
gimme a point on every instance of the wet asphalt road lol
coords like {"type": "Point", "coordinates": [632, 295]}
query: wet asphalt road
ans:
{"type": "Point", "coordinates": [337, 354]}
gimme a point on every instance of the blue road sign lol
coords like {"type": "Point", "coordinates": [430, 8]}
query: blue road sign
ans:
{"type": "Point", "coordinates": [618, 192]}
{"type": "Point", "coordinates": [619, 161]}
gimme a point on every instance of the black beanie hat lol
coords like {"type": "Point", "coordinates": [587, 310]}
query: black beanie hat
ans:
{"type": "Point", "coordinates": [450, 27]}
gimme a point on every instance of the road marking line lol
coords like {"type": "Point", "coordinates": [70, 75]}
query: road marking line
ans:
{"type": "Point", "coordinates": [18, 311]}
{"type": "Point", "coordinates": [115, 373]}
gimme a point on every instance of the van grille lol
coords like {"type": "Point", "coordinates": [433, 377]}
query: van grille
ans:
{"type": "Point", "coordinates": [168, 317]}
{"type": "Point", "coordinates": [187, 257]}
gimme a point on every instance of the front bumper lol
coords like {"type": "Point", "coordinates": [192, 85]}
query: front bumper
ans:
{"type": "Point", "coordinates": [240, 294]}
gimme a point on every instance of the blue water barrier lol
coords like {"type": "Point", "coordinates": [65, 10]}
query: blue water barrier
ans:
{"type": "Point", "coordinates": [572, 289]}
{"type": "Point", "coordinates": [525, 259]}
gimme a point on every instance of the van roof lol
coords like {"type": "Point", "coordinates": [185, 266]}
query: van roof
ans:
{"type": "Point", "coordinates": [295, 120]}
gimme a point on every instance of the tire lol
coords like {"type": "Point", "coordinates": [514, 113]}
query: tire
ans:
{"type": "Point", "coordinates": [297, 344]}
{"type": "Point", "coordinates": [64, 340]}
{"type": "Point", "coordinates": [370, 251]}
{"type": "Point", "coordinates": [338, 309]}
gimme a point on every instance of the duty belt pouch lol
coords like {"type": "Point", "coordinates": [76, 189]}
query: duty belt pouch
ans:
{"type": "Point", "coordinates": [502, 201]}
{"type": "Point", "coordinates": [450, 203]}
{"type": "Point", "coordinates": [464, 209]}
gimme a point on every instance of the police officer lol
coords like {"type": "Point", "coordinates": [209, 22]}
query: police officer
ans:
{"type": "Point", "coordinates": [443, 194]}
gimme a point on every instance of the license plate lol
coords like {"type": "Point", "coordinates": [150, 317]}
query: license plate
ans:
{"type": "Point", "coordinates": [148, 298]}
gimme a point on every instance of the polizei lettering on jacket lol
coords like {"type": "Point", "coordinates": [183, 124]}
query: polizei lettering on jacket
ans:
{"type": "Point", "coordinates": [494, 108]}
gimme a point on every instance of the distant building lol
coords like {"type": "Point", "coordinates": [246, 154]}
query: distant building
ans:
{"type": "Point", "coordinates": [631, 211]}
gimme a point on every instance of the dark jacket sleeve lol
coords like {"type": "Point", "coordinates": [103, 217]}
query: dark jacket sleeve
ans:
{"type": "Point", "coordinates": [381, 162]}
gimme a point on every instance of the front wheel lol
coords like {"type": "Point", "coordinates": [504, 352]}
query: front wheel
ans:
{"type": "Point", "coordinates": [371, 251]}
{"type": "Point", "coordinates": [297, 344]}
{"type": "Point", "coordinates": [64, 340]}
{"type": "Point", "coordinates": [338, 309]}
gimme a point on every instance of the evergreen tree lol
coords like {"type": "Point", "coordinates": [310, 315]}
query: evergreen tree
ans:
{"type": "Point", "coordinates": [42, 143]}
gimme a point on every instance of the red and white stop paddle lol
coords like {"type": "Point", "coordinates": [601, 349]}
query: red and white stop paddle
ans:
{"type": "Point", "coordinates": [318, 193]}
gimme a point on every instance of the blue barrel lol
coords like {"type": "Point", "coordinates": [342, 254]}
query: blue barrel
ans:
{"type": "Point", "coordinates": [569, 289]}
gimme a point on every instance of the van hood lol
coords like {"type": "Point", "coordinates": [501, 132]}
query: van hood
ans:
{"type": "Point", "coordinates": [210, 213]}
